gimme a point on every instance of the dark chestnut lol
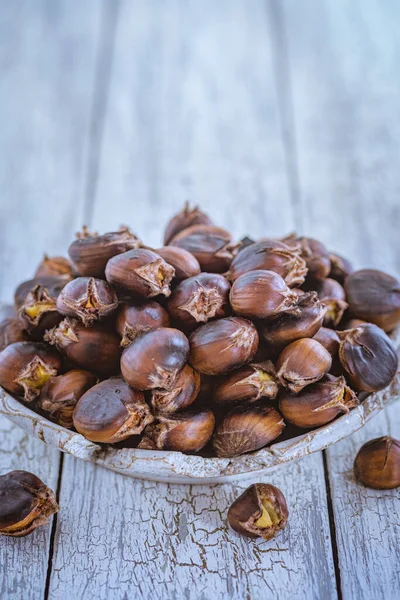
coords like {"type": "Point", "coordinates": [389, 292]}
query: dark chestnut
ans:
{"type": "Point", "coordinates": [185, 264]}
{"type": "Point", "coordinates": [377, 464]}
{"type": "Point", "coordinates": [340, 267]}
{"type": "Point", "coordinates": [187, 431]}
{"type": "Point", "coordinates": [88, 299]}
{"type": "Point", "coordinates": [184, 219]}
{"type": "Point", "coordinates": [302, 363]}
{"type": "Point", "coordinates": [314, 253]}
{"type": "Point", "coordinates": [329, 339]}
{"type": "Point", "coordinates": [184, 392]}
{"type": "Point", "coordinates": [52, 285]}
{"type": "Point", "coordinates": [134, 320]}
{"type": "Point", "coordinates": [12, 330]}
{"type": "Point", "coordinates": [332, 294]}
{"type": "Point", "coordinates": [39, 313]}
{"type": "Point", "coordinates": [247, 384]}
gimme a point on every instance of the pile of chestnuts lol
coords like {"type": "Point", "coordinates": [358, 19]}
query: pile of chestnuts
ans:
{"type": "Point", "coordinates": [202, 345]}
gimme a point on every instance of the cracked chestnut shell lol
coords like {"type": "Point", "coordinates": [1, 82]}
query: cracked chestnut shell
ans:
{"type": "Point", "coordinates": [314, 253]}
{"type": "Point", "coordinates": [340, 267]}
{"type": "Point", "coordinates": [221, 346]}
{"type": "Point", "coordinates": [261, 511]}
{"type": "Point", "coordinates": [90, 252]}
{"type": "Point", "coordinates": [134, 320]}
{"type": "Point", "coordinates": [368, 357]}
{"type": "Point", "coordinates": [184, 392]}
{"type": "Point", "coordinates": [247, 384]}
{"type": "Point", "coordinates": [247, 428]}
{"type": "Point", "coordinates": [141, 273]}
{"type": "Point", "coordinates": [184, 219]}
{"type": "Point", "coordinates": [318, 404]}
{"type": "Point", "coordinates": [60, 395]}
{"type": "Point", "coordinates": [302, 363]}
{"type": "Point", "coordinates": [332, 294]}
{"type": "Point", "coordinates": [187, 431]}
{"type": "Point", "coordinates": [199, 299]}
{"type": "Point", "coordinates": [11, 331]}
{"type": "Point", "coordinates": [25, 503]}
{"type": "Point", "coordinates": [377, 464]}
{"type": "Point", "coordinates": [53, 266]}
{"type": "Point", "coordinates": [87, 299]}
{"type": "Point", "coordinates": [185, 264]}
{"type": "Point", "coordinates": [111, 411]}
{"type": "Point", "coordinates": [39, 313]}
{"type": "Point", "coordinates": [155, 359]}
{"type": "Point", "coordinates": [374, 296]}
{"type": "Point", "coordinates": [53, 286]}
{"type": "Point", "coordinates": [26, 366]}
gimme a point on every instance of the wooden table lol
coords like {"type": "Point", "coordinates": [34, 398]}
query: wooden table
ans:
{"type": "Point", "coordinates": [274, 116]}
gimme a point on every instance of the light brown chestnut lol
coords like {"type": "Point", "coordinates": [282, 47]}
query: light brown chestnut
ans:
{"type": "Point", "coordinates": [377, 464]}
{"type": "Point", "coordinates": [39, 313]}
{"type": "Point", "coordinates": [329, 339]}
{"type": "Point", "coordinates": [188, 431]}
{"type": "Point", "coordinates": [52, 285]}
{"type": "Point", "coordinates": [332, 294]}
{"type": "Point", "coordinates": [12, 330]}
{"type": "Point", "coordinates": [184, 219]}
{"type": "Point", "coordinates": [54, 266]}
{"type": "Point", "coordinates": [222, 346]}
{"type": "Point", "coordinates": [261, 511]}
{"type": "Point", "coordinates": [340, 267]}
{"type": "Point", "coordinates": [302, 363]}
{"type": "Point", "coordinates": [87, 299]}
{"type": "Point", "coordinates": [134, 320]}
{"type": "Point", "coordinates": [111, 411]}
{"type": "Point", "coordinates": [184, 392]}
{"type": "Point", "coordinates": [314, 253]}
{"type": "Point", "coordinates": [185, 264]}
{"type": "Point", "coordinates": [247, 384]}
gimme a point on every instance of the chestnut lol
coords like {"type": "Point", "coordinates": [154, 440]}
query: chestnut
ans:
{"type": "Point", "coordinates": [12, 330]}
{"type": "Point", "coordinates": [140, 273]}
{"type": "Point", "coordinates": [26, 366]}
{"type": "Point", "coordinates": [368, 357]}
{"type": "Point", "coordinates": [318, 404]}
{"type": "Point", "coordinates": [247, 428]}
{"type": "Point", "coordinates": [39, 313]}
{"type": "Point", "coordinates": [340, 267]}
{"type": "Point", "coordinates": [199, 299]}
{"type": "Point", "coordinates": [184, 219]}
{"type": "Point", "coordinates": [212, 246]}
{"type": "Point", "coordinates": [247, 384]}
{"type": "Point", "coordinates": [377, 464]}
{"type": "Point", "coordinates": [53, 286]}
{"type": "Point", "coordinates": [90, 252]}
{"type": "Point", "coordinates": [187, 431]}
{"type": "Point", "coordinates": [60, 394]}
{"type": "Point", "coordinates": [96, 349]}
{"type": "Point", "coordinates": [185, 264]}
{"type": "Point", "coordinates": [261, 295]}
{"type": "Point", "coordinates": [329, 339]}
{"type": "Point", "coordinates": [221, 346]}
{"type": "Point", "coordinates": [302, 363]}
{"type": "Point", "coordinates": [155, 359]}
{"type": "Point", "coordinates": [88, 299]}
{"type": "Point", "coordinates": [26, 503]}
{"type": "Point", "coordinates": [245, 242]}
{"type": "Point", "coordinates": [57, 265]}
{"type": "Point", "coordinates": [314, 253]}
{"type": "Point", "coordinates": [134, 320]}
{"type": "Point", "coordinates": [270, 255]}
{"type": "Point", "coordinates": [261, 511]}
{"type": "Point", "coordinates": [184, 392]}
{"type": "Point", "coordinates": [111, 411]}
{"type": "Point", "coordinates": [332, 294]}
{"type": "Point", "coordinates": [374, 296]}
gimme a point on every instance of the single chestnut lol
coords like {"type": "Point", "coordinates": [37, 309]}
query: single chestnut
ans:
{"type": "Point", "coordinates": [26, 503]}
{"type": "Point", "coordinates": [340, 267]}
{"type": "Point", "coordinates": [60, 395]}
{"type": "Point", "coordinates": [368, 357]}
{"type": "Point", "coordinates": [56, 265]}
{"type": "Point", "coordinates": [318, 404]}
{"type": "Point", "coordinates": [374, 296]}
{"type": "Point", "coordinates": [96, 349]}
{"type": "Point", "coordinates": [141, 273]}
{"type": "Point", "coordinates": [314, 253]}
{"type": "Point", "coordinates": [184, 219]}
{"type": "Point", "coordinates": [26, 366]}
{"type": "Point", "coordinates": [270, 255]}
{"type": "Point", "coordinates": [87, 299]}
{"type": "Point", "coordinates": [302, 363]}
{"type": "Point", "coordinates": [377, 464]}
{"type": "Point", "coordinates": [221, 346]}
{"type": "Point", "coordinates": [185, 264]}
{"type": "Point", "coordinates": [12, 330]}
{"type": "Point", "coordinates": [261, 295]}
{"type": "Point", "coordinates": [329, 339]}
{"type": "Point", "coordinates": [53, 286]}
{"type": "Point", "coordinates": [332, 294]}
{"type": "Point", "coordinates": [199, 299]}
{"type": "Point", "coordinates": [261, 511]}
{"type": "Point", "coordinates": [134, 320]}
{"type": "Point", "coordinates": [188, 431]}
{"type": "Point", "coordinates": [155, 359]}
{"type": "Point", "coordinates": [39, 312]}
{"type": "Point", "coordinates": [90, 252]}
{"type": "Point", "coordinates": [184, 392]}
{"type": "Point", "coordinates": [111, 411]}
{"type": "Point", "coordinates": [247, 428]}
{"type": "Point", "coordinates": [247, 384]}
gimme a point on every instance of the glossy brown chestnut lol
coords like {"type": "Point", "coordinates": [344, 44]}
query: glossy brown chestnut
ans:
{"type": "Point", "coordinates": [87, 299]}
{"type": "Point", "coordinates": [52, 285]}
{"type": "Point", "coordinates": [199, 299]}
{"type": "Point", "coordinates": [270, 255]}
{"type": "Point", "coordinates": [91, 252]}
{"type": "Point", "coordinates": [184, 392]}
{"type": "Point", "coordinates": [302, 363]}
{"type": "Point", "coordinates": [11, 331]}
{"type": "Point", "coordinates": [96, 349]}
{"type": "Point", "coordinates": [368, 357]}
{"type": "Point", "coordinates": [247, 384]}
{"type": "Point", "coordinates": [221, 346]}
{"type": "Point", "coordinates": [187, 431]}
{"type": "Point", "coordinates": [134, 320]}
{"type": "Point", "coordinates": [329, 339]}
{"type": "Point", "coordinates": [26, 503]}
{"type": "Point", "coordinates": [374, 296]}
{"type": "Point", "coordinates": [26, 366]}
{"type": "Point", "coordinates": [262, 295]}
{"type": "Point", "coordinates": [247, 428]}
{"type": "Point", "coordinates": [54, 266]}
{"type": "Point", "coordinates": [261, 511]}
{"type": "Point", "coordinates": [39, 312]}
{"type": "Point", "coordinates": [155, 359]}
{"type": "Point", "coordinates": [60, 395]}
{"type": "Point", "coordinates": [184, 219]}
{"type": "Point", "coordinates": [332, 294]}
{"type": "Point", "coordinates": [185, 264]}
{"type": "Point", "coordinates": [318, 404]}
{"type": "Point", "coordinates": [377, 464]}
{"type": "Point", "coordinates": [141, 273]}
{"type": "Point", "coordinates": [340, 267]}
{"type": "Point", "coordinates": [212, 246]}
{"type": "Point", "coordinates": [111, 411]}
{"type": "Point", "coordinates": [314, 253]}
